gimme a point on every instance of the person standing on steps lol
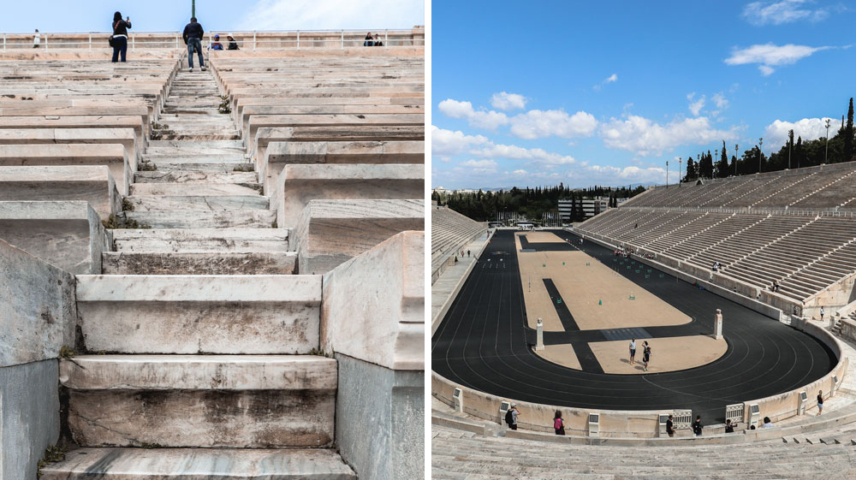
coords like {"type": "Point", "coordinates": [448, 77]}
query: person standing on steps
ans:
{"type": "Point", "coordinates": [120, 36]}
{"type": "Point", "coordinates": [697, 426]}
{"type": "Point", "coordinates": [821, 313]}
{"type": "Point", "coordinates": [193, 33]}
{"type": "Point", "coordinates": [37, 39]}
{"type": "Point", "coordinates": [511, 416]}
{"type": "Point", "coordinates": [820, 402]}
{"type": "Point", "coordinates": [559, 423]}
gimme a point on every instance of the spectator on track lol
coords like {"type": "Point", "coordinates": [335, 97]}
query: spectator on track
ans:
{"type": "Point", "coordinates": [729, 427]}
{"type": "Point", "coordinates": [767, 423]}
{"type": "Point", "coordinates": [697, 426]}
{"type": "Point", "coordinates": [369, 41]}
{"type": "Point", "coordinates": [821, 313]}
{"type": "Point", "coordinates": [468, 254]}
{"type": "Point", "coordinates": [233, 44]}
{"type": "Point", "coordinates": [632, 351]}
{"type": "Point", "coordinates": [558, 423]}
{"type": "Point", "coordinates": [120, 36]}
{"type": "Point", "coordinates": [820, 402]}
{"type": "Point", "coordinates": [670, 426]}
{"type": "Point", "coordinates": [193, 33]}
{"type": "Point", "coordinates": [37, 39]}
{"type": "Point", "coordinates": [646, 356]}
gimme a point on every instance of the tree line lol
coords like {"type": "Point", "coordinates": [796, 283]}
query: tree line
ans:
{"type": "Point", "coordinates": [794, 154]}
{"type": "Point", "coordinates": [533, 203]}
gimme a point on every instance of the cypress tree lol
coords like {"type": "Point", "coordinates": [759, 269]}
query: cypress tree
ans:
{"type": "Point", "coordinates": [848, 134]}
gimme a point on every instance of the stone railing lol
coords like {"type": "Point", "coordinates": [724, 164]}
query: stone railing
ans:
{"type": "Point", "coordinates": [254, 40]}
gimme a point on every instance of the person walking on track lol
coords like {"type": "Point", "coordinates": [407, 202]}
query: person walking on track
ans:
{"type": "Point", "coordinates": [697, 426]}
{"type": "Point", "coordinates": [632, 351]}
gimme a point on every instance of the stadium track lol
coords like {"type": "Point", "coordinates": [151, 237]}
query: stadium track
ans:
{"type": "Point", "coordinates": [484, 343]}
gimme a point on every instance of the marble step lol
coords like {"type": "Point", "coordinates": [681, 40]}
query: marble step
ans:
{"type": "Point", "coordinates": [246, 401]}
{"type": "Point", "coordinates": [207, 263]}
{"type": "Point", "coordinates": [246, 179]}
{"type": "Point", "coordinates": [197, 464]}
{"type": "Point", "coordinates": [204, 219]}
{"type": "Point", "coordinates": [192, 203]}
{"type": "Point", "coordinates": [202, 240]}
{"type": "Point", "coordinates": [190, 126]}
{"type": "Point", "coordinates": [184, 135]}
{"type": "Point", "coordinates": [195, 157]}
{"type": "Point", "coordinates": [155, 144]}
{"type": "Point", "coordinates": [190, 314]}
{"type": "Point", "coordinates": [203, 166]}
{"type": "Point", "coordinates": [195, 189]}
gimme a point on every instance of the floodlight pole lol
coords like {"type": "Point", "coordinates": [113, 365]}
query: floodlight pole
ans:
{"type": "Point", "coordinates": [667, 174]}
{"type": "Point", "coordinates": [827, 142]}
{"type": "Point", "coordinates": [680, 160]}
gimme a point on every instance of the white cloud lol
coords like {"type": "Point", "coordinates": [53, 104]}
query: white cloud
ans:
{"type": "Point", "coordinates": [332, 15]}
{"type": "Point", "coordinates": [646, 137]}
{"type": "Point", "coordinates": [781, 12]}
{"type": "Point", "coordinates": [447, 142]}
{"type": "Point", "coordinates": [776, 133]}
{"type": "Point", "coordinates": [519, 172]}
{"type": "Point", "coordinates": [616, 175]}
{"type": "Point", "coordinates": [480, 119]}
{"type": "Point", "coordinates": [539, 124]}
{"type": "Point", "coordinates": [514, 152]}
{"type": "Point", "coordinates": [770, 55]}
{"type": "Point", "coordinates": [508, 101]}
{"type": "Point", "coordinates": [720, 101]}
{"type": "Point", "coordinates": [480, 166]}
{"type": "Point", "coordinates": [696, 106]}
{"type": "Point", "coordinates": [610, 79]}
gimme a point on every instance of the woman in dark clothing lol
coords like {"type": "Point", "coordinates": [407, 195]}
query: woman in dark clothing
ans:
{"type": "Point", "coordinates": [233, 44]}
{"type": "Point", "coordinates": [559, 423]}
{"type": "Point", "coordinates": [120, 36]}
{"type": "Point", "coordinates": [369, 42]}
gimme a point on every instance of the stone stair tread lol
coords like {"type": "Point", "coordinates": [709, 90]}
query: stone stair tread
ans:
{"type": "Point", "coordinates": [201, 240]}
{"type": "Point", "coordinates": [195, 464]}
{"type": "Point", "coordinates": [205, 219]}
{"type": "Point", "coordinates": [197, 177]}
{"type": "Point", "coordinates": [198, 372]}
{"type": "Point", "coordinates": [197, 203]}
{"type": "Point", "coordinates": [194, 189]}
{"type": "Point", "coordinates": [225, 262]}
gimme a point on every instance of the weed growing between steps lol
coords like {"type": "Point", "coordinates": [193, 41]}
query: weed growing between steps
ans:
{"type": "Point", "coordinates": [147, 167]}
{"type": "Point", "coordinates": [112, 223]}
{"type": "Point", "coordinates": [127, 206]}
{"type": "Point", "coordinates": [246, 167]}
{"type": "Point", "coordinates": [321, 353]}
{"type": "Point", "coordinates": [52, 455]}
{"type": "Point", "coordinates": [158, 126]}
{"type": "Point", "coordinates": [67, 352]}
{"type": "Point", "coordinates": [224, 107]}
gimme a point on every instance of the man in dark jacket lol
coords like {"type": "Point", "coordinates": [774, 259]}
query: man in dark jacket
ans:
{"type": "Point", "coordinates": [193, 34]}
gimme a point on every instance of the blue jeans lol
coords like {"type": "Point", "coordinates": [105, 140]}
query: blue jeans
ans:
{"type": "Point", "coordinates": [197, 44]}
{"type": "Point", "coordinates": [120, 45]}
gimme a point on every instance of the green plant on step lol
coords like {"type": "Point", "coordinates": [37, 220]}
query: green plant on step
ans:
{"type": "Point", "coordinates": [319, 352]}
{"type": "Point", "coordinates": [147, 167]}
{"type": "Point", "coordinates": [52, 455]}
{"type": "Point", "coordinates": [151, 445]}
{"type": "Point", "coordinates": [244, 167]}
{"type": "Point", "coordinates": [67, 352]}
{"type": "Point", "coordinates": [127, 206]}
{"type": "Point", "coordinates": [157, 126]}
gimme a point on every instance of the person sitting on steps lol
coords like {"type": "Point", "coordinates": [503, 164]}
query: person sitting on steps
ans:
{"type": "Point", "coordinates": [233, 44]}
{"type": "Point", "coordinates": [216, 45]}
{"type": "Point", "coordinates": [193, 33]}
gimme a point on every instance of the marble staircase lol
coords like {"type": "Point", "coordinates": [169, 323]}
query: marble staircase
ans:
{"type": "Point", "coordinates": [201, 342]}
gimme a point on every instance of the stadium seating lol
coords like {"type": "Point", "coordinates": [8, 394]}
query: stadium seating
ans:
{"type": "Point", "coordinates": [450, 232]}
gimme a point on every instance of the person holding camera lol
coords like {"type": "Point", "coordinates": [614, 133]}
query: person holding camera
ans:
{"type": "Point", "coordinates": [119, 40]}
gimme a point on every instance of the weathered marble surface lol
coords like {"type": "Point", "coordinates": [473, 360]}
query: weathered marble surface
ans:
{"type": "Point", "coordinates": [68, 235]}
{"type": "Point", "coordinates": [77, 123]}
{"type": "Point", "coordinates": [198, 372]}
{"type": "Point", "coordinates": [258, 314]}
{"type": "Point", "coordinates": [202, 240]}
{"type": "Point", "coordinates": [202, 418]}
{"type": "Point", "coordinates": [331, 232]}
{"type": "Point", "coordinates": [93, 184]}
{"type": "Point", "coordinates": [197, 203]}
{"type": "Point", "coordinates": [193, 463]}
{"type": "Point", "coordinates": [39, 312]}
{"type": "Point", "coordinates": [299, 184]}
{"type": "Point", "coordinates": [393, 446]}
{"type": "Point", "coordinates": [247, 179]}
{"type": "Point", "coordinates": [125, 136]}
{"type": "Point", "coordinates": [374, 305]}
{"type": "Point", "coordinates": [111, 155]}
{"type": "Point", "coordinates": [208, 263]}
{"type": "Point", "coordinates": [205, 219]}
{"type": "Point", "coordinates": [194, 189]}
{"type": "Point", "coordinates": [29, 411]}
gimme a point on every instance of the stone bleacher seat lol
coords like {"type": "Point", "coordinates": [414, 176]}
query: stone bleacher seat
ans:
{"type": "Point", "coordinates": [450, 231]}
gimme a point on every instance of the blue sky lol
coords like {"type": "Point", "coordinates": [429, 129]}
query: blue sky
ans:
{"type": "Point", "coordinates": [172, 15]}
{"type": "Point", "coordinates": [587, 93]}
